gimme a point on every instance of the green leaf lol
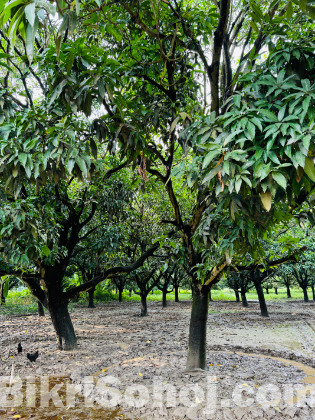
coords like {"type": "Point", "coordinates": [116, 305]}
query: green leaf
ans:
{"type": "Point", "coordinates": [309, 168]}
{"type": "Point", "coordinates": [280, 179]}
{"type": "Point", "coordinates": [237, 100]}
{"type": "Point", "coordinates": [30, 13]}
{"type": "Point", "coordinates": [57, 91]}
{"type": "Point", "coordinates": [268, 114]}
{"type": "Point", "coordinates": [289, 10]}
{"type": "Point", "coordinates": [306, 104]}
{"type": "Point", "coordinates": [23, 158]}
{"type": "Point", "coordinates": [46, 250]}
{"type": "Point", "coordinates": [251, 128]}
{"type": "Point", "coordinates": [254, 26]}
{"type": "Point", "coordinates": [210, 156]}
{"type": "Point", "coordinates": [64, 24]}
{"type": "Point", "coordinates": [81, 163]}
{"type": "Point", "coordinates": [93, 148]}
{"type": "Point", "coordinates": [72, 22]}
{"type": "Point", "coordinates": [70, 165]}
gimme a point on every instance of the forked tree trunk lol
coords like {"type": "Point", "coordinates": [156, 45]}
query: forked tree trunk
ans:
{"type": "Point", "coordinates": [120, 294]}
{"type": "Point", "coordinates": [40, 309]}
{"type": "Point", "coordinates": [261, 297]}
{"type": "Point", "coordinates": [244, 299]}
{"type": "Point", "coordinates": [237, 295]}
{"type": "Point", "coordinates": [91, 297]}
{"type": "Point", "coordinates": [305, 294]}
{"type": "Point", "coordinates": [288, 292]}
{"type": "Point", "coordinates": [164, 298]}
{"type": "Point", "coordinates": [66, 338]}
{"type": "Point", "coordinates": [276, 290]}
{"type": "Point", "coordinates": [313, 292]}
{"type": "Point", "coordinates": [176, 293]}
{"type": "Point", "coordinates": [144, 306]}
{"type": "Point", "coordinates": [196, 358]}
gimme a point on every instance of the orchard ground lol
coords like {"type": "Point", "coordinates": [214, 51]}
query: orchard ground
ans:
{"type": "Point", "coordinates": [258, 367]}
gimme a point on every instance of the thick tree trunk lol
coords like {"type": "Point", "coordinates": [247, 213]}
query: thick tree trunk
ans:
{"type": "Point", "coordinates": [244, 299]}
{"type": "Point", "coordinates": [40, 309]}
{"type": "Point", "coordinates": [176, 293]}
{"type": "Point", "coordinates": [305, 294]}
{"type": "Point", "coordinates": [91, 297]}
{"type": "Point", "coordinates": [210, 297]}
{"type": "Point", "coordinates": [261, 297]}
{"type": "Point", "coordinates": [66, 338]}
{"type": "Point", "coordinates": [144, 307]}
{"type": "Point", "coordinates": [237, 295]}
{"type": "Point", "coordinates": [192, 292]}
{"type": "Point", "coordinates": [276, 290]}
{"type": "Point", "coordinates": [196, 358]}
{"type": "Point", "coordinates": [313, 292]}
{"type": "Point", "coordinates": [164, 298]}
{"type": "Point", "coordinates": [288, 292]}
{"type": "Point", "coordinates": [120, 294]}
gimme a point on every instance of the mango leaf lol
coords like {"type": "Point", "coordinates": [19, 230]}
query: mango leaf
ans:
{"type": "Point", "coordinates": [309, 168]}
{"type": "Point", "coordinates": [30, 13]}
{"type": "Point", "coordinates": [6, 288]}
{"type": "Point", "coordinates": [46, 250]}
{"type": "Point", "coordinates": [280, 179]}
{"type": "Point", "coordinates": [209, 157]}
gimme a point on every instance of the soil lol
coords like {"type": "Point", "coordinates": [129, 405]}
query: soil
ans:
{"type": "Point", "coordinates": [245, 355]}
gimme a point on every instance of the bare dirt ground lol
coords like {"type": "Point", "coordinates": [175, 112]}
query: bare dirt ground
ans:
{"type": "Point", "coordinates": [140, 362]}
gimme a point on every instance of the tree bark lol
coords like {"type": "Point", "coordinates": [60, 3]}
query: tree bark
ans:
{"type": "Point", "coordinates": [120, 294]}
{"type": "Point", "coordinates": [267, 290]}
{"type": "Point", "coordinates": [276, 290]}
{"type": "Point", "coordinates": [40, 309]}
{"type": "Point", "coordinates": [130, 293]}
{"type": "Point", "coordinates": [91, 297]}
{"type": "Point", "coordinates": [66, 338]}
{"type": "Point", "coordinates": [244, 299]}
{"type": "Point", "coordinates": [305, 294]}
{"type": "Point", "coordinates": [237, 295]}
{"type": "Point", "coordinates": [261, 297]}
{"type": "Point", "coordinates": [164, 298]}
{"type": "Point", "coordinates": [210, 297]}
{"type": "Point", "coordinates": [288, 292]}
{"type": "Point", "coordinates": [176, 293]}
{"type": "Point", "coordinates": [2, 300]}
{"type": "Point", "coordinates": [196, 358]}
{"type": "Point", "coordinates": [144, 306]}
{"type": "Point", "coordinates": [313, 292]}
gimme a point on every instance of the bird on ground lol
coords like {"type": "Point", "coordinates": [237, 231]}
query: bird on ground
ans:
{"type": "Point", "coordinates": [19, 348]}
{"type": "Point", "coordinates": [32, 357]}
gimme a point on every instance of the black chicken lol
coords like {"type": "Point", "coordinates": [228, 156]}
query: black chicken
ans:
{"type": "Point", "coordinates": [32, 357]}
{"type": "Point", "coordinates": [20, 348]}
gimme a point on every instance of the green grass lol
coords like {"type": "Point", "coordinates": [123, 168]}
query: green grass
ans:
{"type": "Point", "coordinates": [21, 302]}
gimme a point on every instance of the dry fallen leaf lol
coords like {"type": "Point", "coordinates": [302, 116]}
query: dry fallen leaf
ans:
{"type": "Point", "coordinates": [140, 374]}
{"type": "Point", "coordinates": [244, 384]}
{"type": "Point", "coordinates": [104, 370]}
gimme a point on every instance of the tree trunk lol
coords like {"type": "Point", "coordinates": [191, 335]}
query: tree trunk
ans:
{"type": "Point", "coordinates": [313, 292]}
{"type": "Point", "coordinates": [244, 299]}
{"type": "Point", "coordinates": [130, 293]}
{"type": "Point", "coordinates": [152, 293]}
{"type": "Point", "coordinates": [2, 300]}
{"type": "Point", "coordinates": [144, 307]}
{"type": "Point", "coordinates": [305, 294]}
{"type": "Point", "coordinates": [196, 358]}
{"type": "Point", "coordinates": [237, 295]}
{"type": "Point", "coordinates": [288, 292]}
{"type": "Point", "coordinates": [176, 293]}
{"type": "Point", "coordinates": [276, 290]}
{"type": "Point", "coordinates": [267, 290]}
{"type": "Point", "coordinates": [261, 297]}
{"type": "Point", "coordinates": [91, 297]}
{"type": "Point", "coordinates": [40, 309]}
{"type": "Point", "coordinates": [192, 292]}
{"type": "Point", "coordinates": [164, 298]}
{"type": "Point", "coordinates": [66, 338]}
{"type": "Point", "coordinates": [120, 294]}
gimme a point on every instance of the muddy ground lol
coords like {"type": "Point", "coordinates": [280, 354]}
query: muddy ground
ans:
{"type": "Point", "coordinates": [140, 363]}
